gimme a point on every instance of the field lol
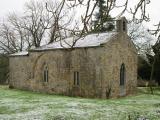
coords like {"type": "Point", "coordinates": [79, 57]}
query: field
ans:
{"type": "Point", "coordinates": [24, 105]}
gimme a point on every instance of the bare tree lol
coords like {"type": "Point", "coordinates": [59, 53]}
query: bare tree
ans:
{"type": "Point", "coordinates": [36, 21]}
{"type": "Point", "coordinates": [22, 35]}
{"type": "Point", "coordinates": [111, 6]}
{"type": "Point", "coordinates": [57, 18]}
{"type": "Point", "coordinates": [8, 41]}
{"type": "Point", "coordinates": [156, 50]}
{"type": "Point", "coordinates": [14, 37]}
{"type": "Point", "coordinates": [62, 18]}
{"type": "Point", "coordinates": [33, 27]}
{"type": "Point", "coordinates": [142, 39]}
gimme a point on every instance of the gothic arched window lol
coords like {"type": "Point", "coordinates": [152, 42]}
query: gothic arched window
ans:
{"type": "Point", "coordinates": [122, 75]}
{"type": "Point", "coordinates": [45, 73]}
{"type": "Point", "coordinates": [124, 26]}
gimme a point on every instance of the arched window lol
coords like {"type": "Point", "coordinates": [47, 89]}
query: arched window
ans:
{"type": "Point", "coordinates": [122, 75]}
{"type": "Point", "coordinates": [45, 74]}
{"type": "Point", "coordinates": [124, 26]}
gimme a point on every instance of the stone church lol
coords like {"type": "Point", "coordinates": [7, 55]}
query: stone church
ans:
{"type": "Point", "coordinates": [99, 65]}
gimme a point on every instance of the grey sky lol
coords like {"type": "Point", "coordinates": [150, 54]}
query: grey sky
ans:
{"type": "Point", "coordinates": [154, 12]}
{"type": "Point", "coordinates": [7, 6]}
{"type": "Point", "coordinates": [10, 5]}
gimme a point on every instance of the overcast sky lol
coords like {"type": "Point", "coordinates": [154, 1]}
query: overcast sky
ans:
{"type": "Point", "coordinates": [154, 11]}
{"type": "Point", "coordinates": [7, 6]}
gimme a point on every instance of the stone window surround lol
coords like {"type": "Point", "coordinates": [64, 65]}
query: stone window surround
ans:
{"type": "Point", "coordinates": [45, 74]}
{"type": "Point", "coordinates": [122, 74]}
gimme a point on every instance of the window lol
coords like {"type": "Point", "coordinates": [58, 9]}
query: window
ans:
{"type": "Point", "coordinates": [45, 74]}
{"type": "Point", "coordinates": [122, 75]}
{"type": "Point", "coordinates": [76, 78]}
{"type": "Point", "coordinates": [124, 26]}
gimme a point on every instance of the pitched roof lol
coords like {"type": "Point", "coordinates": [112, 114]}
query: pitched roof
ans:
{"type": "Point", "coordinates": [90, 40]}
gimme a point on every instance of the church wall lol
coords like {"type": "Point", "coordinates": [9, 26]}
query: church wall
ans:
{"type": "Point", "coordinates": [98, 68]}
{"type": "Point", "coordinates": [19, 72]}
{"type": "Point", "coordinates": [119, 51]}
{"type": "Point", "coordinates": [61, 67]}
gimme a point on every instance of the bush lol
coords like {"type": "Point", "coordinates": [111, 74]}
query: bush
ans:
{"type": "Point", "coordinates": [11, 87]}
{"type": "Point", "coordinates": [144, 69]}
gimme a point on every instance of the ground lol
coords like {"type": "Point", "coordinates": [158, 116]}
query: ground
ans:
{"type": "Point", "coordinates": [24, 105]}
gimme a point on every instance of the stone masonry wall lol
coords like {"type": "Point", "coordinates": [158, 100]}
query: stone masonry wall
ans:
{"type": "Point", "coordinates": [61, 66]}
{"type": "Point", "coordinates": [19, 72]}
{"type": "Point", "coordinates": [98, 67]}
{"type": "Point", "coordinates": [117, 52]}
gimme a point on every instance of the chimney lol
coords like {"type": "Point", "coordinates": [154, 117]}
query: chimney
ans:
{"type": "Point", "coordinates": [121, 24]}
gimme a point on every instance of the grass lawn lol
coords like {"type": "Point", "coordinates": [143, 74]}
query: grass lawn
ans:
{"type": "Point", "coordinates": [24, 105]}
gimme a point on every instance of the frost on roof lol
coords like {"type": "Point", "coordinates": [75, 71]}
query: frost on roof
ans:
{"type": "Point", "coordinates": [87, 41]}
{"type": "Point", "coordinates": [23, 53]}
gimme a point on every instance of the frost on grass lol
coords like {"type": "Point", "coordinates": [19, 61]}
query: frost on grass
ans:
{"type": "Point", "coordinates": [20, 105]}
